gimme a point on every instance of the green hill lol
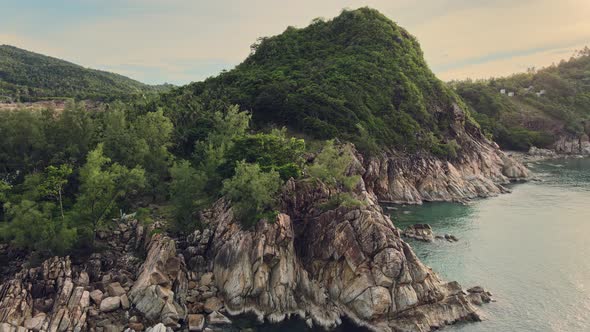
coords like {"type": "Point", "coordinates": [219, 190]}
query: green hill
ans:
{"type": "Point", "coordinates": [359, 77]}
{"type": "Point", "coordinates": [547, 103]}
{"type": "Point", "coordinates": [28, 76]}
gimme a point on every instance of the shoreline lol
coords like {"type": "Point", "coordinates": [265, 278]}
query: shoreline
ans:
{"type": "Point", "coordinates": [543, 155]}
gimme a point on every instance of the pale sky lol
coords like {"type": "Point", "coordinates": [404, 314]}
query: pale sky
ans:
{"type": "Point", "coordinates": [180, 41]}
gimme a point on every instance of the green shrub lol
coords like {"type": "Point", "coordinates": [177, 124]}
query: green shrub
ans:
{"type": "Point", "coordinates": [252, 192]}
{"type": "Point", "coordinates": [331, 166]}
{"type": "Point", "coordinates": [272, 151]}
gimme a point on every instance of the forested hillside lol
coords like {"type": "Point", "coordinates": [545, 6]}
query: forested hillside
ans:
{"type": "Point", "coordinates": [358, 77]}
{"type": "Point", "coordinates": [28, 76]}
{"type": "Point", "coordinates": [546, 104]}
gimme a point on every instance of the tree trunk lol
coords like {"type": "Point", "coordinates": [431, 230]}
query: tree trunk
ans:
{"type": "Point", "coordinates": [61, 206]}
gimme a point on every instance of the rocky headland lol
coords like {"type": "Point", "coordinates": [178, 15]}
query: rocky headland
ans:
{"type": "Point", "coordinates": [314, 263]}
{"type": "Point", "coordinates": [481, 170]}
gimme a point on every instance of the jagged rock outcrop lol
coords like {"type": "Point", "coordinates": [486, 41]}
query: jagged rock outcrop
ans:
{"type": "Point", "coordinates": [322, 265]}
{"type": "Point", "coordinates": [44, 298]}
{"type": "Point", "coordinates": [159, 292]}
{"type": "Point", "coordinates": [91, 294]}
{"type": "Point", "coordinates": [317, 264]}
{"type": "Point", "coordinates": [481, 171]}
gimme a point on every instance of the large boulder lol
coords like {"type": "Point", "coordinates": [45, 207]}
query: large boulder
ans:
{"type": "Point", "coordinates": [110, 304]}
{"type": "Point", "coordinates": [196, 322]}
{"type": "Point", "coordinates": [115, 289]}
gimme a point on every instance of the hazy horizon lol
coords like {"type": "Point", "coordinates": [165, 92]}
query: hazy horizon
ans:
{"type": "Point", "coordinates": [156, 41]}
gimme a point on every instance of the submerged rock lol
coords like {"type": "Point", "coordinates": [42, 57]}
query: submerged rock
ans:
{"type": "Point", "coordinates": [424, 232]}
{"type": "Point", "coordinates": [421, 232]}
{"type": "Point", "coordinates": [451, 238]}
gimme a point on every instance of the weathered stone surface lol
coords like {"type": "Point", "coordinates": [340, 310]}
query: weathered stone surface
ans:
{"type": "Point", "coordinates": [212, 304]}
{"type": "Point", "coordinates": [343, 261]}
{"type": "Point", "coordinates": [216, 318]}
{"type": "Point", "coordinates": [96, 296]}
{"type": "Point", "coordinates": [83, 279]}
{"type": "Point", "coordinates": [125, 302]}
{"type": "Point", "coordinates": [196, 322]}
{"type": "Point", "coordinates": [481, 171]}
{"type": "Point", "coordinates": [160, 290]}
{"type": "Point", "coordinates": [206, 279]}
{"type": "Point", "coordinates": [136, 326]}
{"type": "Point", "coordinates": [36, 323]}
{"type": "Point", "coordinates": [110, 304]}
{"type": "Point", "coordinates": [115, 289]}
{"type": "Point", "coordinates": [112, 328]}
{"type": "Point", "coordinates": [5, 327]}
{"type": "Point", "coordinates": [421, 232]}
{"type": "Point", "coordinates": [49, 290]}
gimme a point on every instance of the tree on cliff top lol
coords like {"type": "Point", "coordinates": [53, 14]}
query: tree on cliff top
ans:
{"type": "Point", "coordinates": [252, 192]}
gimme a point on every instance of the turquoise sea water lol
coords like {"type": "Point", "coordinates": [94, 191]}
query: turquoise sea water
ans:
{"type": "Point", "coordinates": [530, 248]}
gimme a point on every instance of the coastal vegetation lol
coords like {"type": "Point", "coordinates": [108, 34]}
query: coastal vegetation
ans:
{"type": "Point", "coordinates": [65, 175]}
{"type": "Point", "coordinates": [290, 111]}
{"type": "Point", "coordinates": [546, 103]}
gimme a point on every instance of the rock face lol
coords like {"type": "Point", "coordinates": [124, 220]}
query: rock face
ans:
{"type": "Point", "coordinates": [479, 172]}
{"type": "Point", "coordinates": [321, 265]}
{"type": "Point", "coordinates": [44, 298]}
{"type": "Point", "coordinates": [160, 290]}
{"type": "Point", "coordinates": [92, 294]}
{"type": "Point", "coordinates": [573, 145]}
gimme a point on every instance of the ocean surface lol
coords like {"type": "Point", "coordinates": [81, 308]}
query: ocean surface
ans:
{"type": "Point", "coordinates": [530, 248]}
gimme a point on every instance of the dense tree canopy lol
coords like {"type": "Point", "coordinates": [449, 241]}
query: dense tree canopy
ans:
{"type": "Point", "coordinates": [358, 73]}
{"type": "Point", "coordinates": [28, 76]}
{"type": "Point", "coordinates": [252, 192]}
